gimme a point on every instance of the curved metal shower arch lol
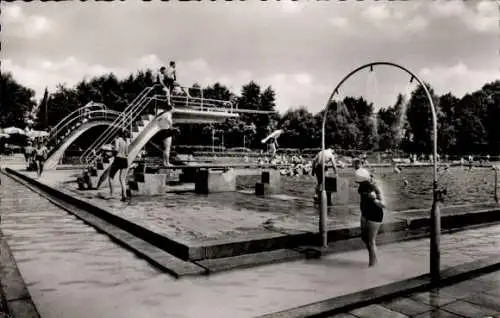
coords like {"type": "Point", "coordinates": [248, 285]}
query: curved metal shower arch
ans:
{"type": "Point", "coordinates": [435, 213]}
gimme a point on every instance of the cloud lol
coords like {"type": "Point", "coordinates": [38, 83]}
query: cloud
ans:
{"type": "Point", "coordinates": [486, 19]}
{"type": "Point", "coordinates": [40, 73]}
{"type": "Point", "coordinates": [446, 8]}
{"type": "Point", "coordinates": [12, 13]}
{"type": "Point", "coordinates": [417, 23]}
{"type": "Point", "coordinates": [482, 18]}
{"type": "Point", "coordinates": [292, 7]}
{"type": "Point", "coordinates": [394, 19]}
{"type": "Point", "coordinates": [377, 13]}
{"type": "Point", "coordinates": [459, 76]}
{"type": "Point", "coordinates": [301, 51]}
{"type": "Point", "coordinates": [339, 22]}
{"type": "Point", "coordinates": [22, 25]}
{"type": "Point", "coordinates": [292, 89]}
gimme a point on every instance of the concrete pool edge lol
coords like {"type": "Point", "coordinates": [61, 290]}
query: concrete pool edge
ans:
{"type": "Point", "coordinates": [174, 247]}
{"type": "Point", "coordinates": [14, 292]}
{"type": "Point", "coordinates": [272, 246]}
{"type": "Point", "coordinates": [341, 304]}
{"type": "Point", "coordinates": [153, 254]}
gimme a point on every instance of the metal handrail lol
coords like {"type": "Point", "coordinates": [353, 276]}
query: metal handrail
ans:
{"type": "Point", "coordinates": [116, 127]}
{"type": "Point", "coordinates": [62, 122]}
{"type": "Point", "coordinates": [130, 117]}
{"type": "Point", "coordinates": [96, 114]}
{"type": "Point", "coordinates": [132, 112]}
{"type": "Point", "coordinates": [123, 118]}
{"type": "Point", "coordinates": [81, 116]}
{"type": "Point", "coordinates": [197, 101]}
{"type": "Point", "coordinates": [96, 144]}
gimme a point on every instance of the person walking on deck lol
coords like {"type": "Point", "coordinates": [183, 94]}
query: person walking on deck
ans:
{"type": "Point", "coordinates": [29, 152]}
{"type": "Point", "coordinates": [120, 163]}
{"type": "Point", "coordinates": [372, 207]}
{"type": "Point", "coordinates": [40, 157]}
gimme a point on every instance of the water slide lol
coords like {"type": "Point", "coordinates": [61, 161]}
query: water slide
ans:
{"type": "Point", "coordinates": [73, 126]}
{"type": "Point", "coordinates": [54, 158]}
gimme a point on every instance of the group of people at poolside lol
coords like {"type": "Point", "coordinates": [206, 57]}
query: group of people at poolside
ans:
{"type": "Point", "coordinates": [372, 203]}
{"type": "Point", "coordinates": [35, 156]}
{"type": "Point", "coordinates": [166, 77]}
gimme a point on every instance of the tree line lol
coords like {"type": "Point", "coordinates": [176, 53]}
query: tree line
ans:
{"type": "Point", "coordinates": [467, 125]}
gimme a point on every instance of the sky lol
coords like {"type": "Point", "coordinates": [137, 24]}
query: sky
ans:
{"type": "Point", "coordinates": [301, 49]}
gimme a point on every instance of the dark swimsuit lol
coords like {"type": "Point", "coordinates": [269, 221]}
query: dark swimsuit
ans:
{"type": "Point", "coordinates": [369, 209]}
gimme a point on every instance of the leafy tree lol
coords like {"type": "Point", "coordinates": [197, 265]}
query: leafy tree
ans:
{"type": "Point", "coordinates": [361, 115]}
{"type": "Point", "coordinates": [471, 132]}
{"type": "Point", "coordinates": [447, 134]}
{"type": "Point", "coordinates": [62, 102]}
{"type": "Point", "coordinates": [42, 116]}
{"type": "Point", "coordinates": [341, 130]}
{"type": "Point", "coordinates": [299, 127]}
{"type": "Point", "coordinates": [491, 99]}
{"type": "Point", "coordinates": [15, 102]}
{"type": "Point", "coordinates": [387, 119]}
{"type": "Point", "coordinates": [252, 98]}
{"type": "Point", "coordinates": [465, 125]}
{"type": "Point", "coordinates": [420, 120]}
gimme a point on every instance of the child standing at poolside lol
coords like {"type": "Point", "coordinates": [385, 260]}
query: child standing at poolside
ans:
{"type": "Point", "coordinates": [372, 207]}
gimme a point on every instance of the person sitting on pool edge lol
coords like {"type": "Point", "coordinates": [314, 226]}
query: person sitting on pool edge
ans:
{"type": "Point", "coordinates": [372, 205]}
{"type": "Point", "coordinates": [317, 168]}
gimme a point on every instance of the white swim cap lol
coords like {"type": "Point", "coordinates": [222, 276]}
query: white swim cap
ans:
{"type": "Point", "coordinates": [362, 175]}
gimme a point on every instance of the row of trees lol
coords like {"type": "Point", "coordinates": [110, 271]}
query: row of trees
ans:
{"type": "Point", "coordinates": [466, 125]}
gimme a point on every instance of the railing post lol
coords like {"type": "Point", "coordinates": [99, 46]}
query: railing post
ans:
{"type": "Point", "coordinates": [496, 169]}
{"type": "Point", "coordinates": [201, 103]}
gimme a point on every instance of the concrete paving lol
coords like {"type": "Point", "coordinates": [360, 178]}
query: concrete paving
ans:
{"type": "Point", "coordinates": [474, 298]}
{"type": "Point", "coordinates": [63, 262]}
{"type": "Point", "coordinates": [61, 269]}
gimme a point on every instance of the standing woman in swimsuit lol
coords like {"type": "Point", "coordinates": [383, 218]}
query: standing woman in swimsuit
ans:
{"type": "Point", "coordinates": [372, 207]}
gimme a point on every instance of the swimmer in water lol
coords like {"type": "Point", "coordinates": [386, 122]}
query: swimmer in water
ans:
{"type": "Point", "coordinates": [395, 167]}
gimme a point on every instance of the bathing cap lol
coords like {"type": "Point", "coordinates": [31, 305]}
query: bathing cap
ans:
{"type": "Point", "coordinates": [362, 175]}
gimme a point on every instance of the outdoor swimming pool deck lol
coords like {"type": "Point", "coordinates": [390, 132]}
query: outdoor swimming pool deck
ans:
{"type": "Point", "coordinates": [242, 293]}
{"type": "Point", "coordinates": [219, 224]}
{"type": "Point", "coordinates": [246, 292]}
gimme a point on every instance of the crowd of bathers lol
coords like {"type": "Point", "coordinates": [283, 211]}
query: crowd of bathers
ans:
{"type": "Point", "coordinates": [292, 165]}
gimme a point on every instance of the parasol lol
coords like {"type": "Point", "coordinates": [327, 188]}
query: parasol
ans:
{"type": "Point", "coordinates": [14, 131]}
{"type": "Point", "coordinates": [274, 134]}
{"type": "Point", "coordinates": [37, 133]}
